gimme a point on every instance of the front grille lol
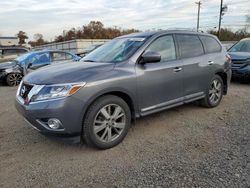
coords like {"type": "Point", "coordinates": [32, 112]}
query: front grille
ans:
{"type": "Point", "coordinates": [25, 89]}
{"type": "Point", "coordinates": [238, 64]}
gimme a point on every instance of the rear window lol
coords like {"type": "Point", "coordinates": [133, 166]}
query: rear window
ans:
{"type": "Point", "coordinates": [210, 44]}
{"type": "Point", "coordinates": [189, 45]}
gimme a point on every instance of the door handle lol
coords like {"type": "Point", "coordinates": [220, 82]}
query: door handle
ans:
{"type": "Point", "coordinates": [177, 69]}
{"type": "Point", "coordinates": [210, 62]}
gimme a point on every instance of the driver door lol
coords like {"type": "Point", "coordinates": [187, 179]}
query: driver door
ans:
{"type": "Point", "coordinates": [38, 61]}
{"type": "Point", "coordinates": [160, 85]}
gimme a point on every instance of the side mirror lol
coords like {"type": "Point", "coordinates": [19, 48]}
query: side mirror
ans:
{"type": "Point", "coordinates": [151, 57]}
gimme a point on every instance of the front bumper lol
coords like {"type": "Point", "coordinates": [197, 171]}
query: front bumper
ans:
{"type": "Point", "coordinates": [245, 71]}
{"type": "Point", "coordinates": [2, 74]}
{"type": "Point", "coordinates": [67, 110]}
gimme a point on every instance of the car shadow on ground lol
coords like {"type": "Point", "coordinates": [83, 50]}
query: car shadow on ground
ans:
{"type": "Point", "coordinates": [140, 123]}
{"type": "Point", "coordinates": [136, 125]}
{"type": "Point", "coordinates": [240, 80]}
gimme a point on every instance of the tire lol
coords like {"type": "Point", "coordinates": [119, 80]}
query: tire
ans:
{"type": "Point", "coordinates": [106, 122]}
{"type": "Point", "coordinates": [14, 79]}
{"type": "Point", "coordinates": [215, 89]}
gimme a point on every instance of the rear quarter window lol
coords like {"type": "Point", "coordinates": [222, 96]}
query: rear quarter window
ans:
{"type": "Point", "coordinates": [189, 45]}
{"type": "Point", "coordinates": [210, 44]}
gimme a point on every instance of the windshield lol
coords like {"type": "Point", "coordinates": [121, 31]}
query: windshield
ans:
{"type": "Point", "coordinates": [116, 50]}
{"type": "Point", "coordinates": [22, 57]}
{"type": "Point", "coordinates": [242, 46]}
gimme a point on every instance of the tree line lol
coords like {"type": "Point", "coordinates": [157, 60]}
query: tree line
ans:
{"type": "Point", "coordinates": [93, 30]}
{"type": "Point", "coordinates": [229, 35]}
{"type": "Point", "coordinates": [97, 30]}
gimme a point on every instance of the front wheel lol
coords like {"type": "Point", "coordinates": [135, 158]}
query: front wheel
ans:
{"type": "Point", "coordinates": [214, 93]}
{"type": "Point", "coordinates": [106, 122]}
{"type": "Point", "coordinates": [14, 79]}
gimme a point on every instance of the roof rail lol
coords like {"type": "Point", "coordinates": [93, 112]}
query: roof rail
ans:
{"type": "Point", "coordinates": [181, 29]}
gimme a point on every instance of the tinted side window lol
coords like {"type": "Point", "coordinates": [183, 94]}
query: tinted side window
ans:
{"type": "Point", "coordinates": [9, 51]}
{"type": "Point", "coordinates": [189, 45]}
{"type": "Point", "coordinates": [165, 47]}
{"type": "Point", "coordinates": [210, 44]}
{"type": "Point", "coordinates": [14, 51]}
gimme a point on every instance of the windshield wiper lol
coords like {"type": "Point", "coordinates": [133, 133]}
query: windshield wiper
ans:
{"type": "Point", "coordinates": [88, 60]}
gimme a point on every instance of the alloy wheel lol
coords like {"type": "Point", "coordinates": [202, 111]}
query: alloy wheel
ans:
{"type": "Point", "coordinates": [14, 79]}
{"type": "Point", "coordinates": [215, 91]}
{"type": "Point", "coordinates": [109, 123]}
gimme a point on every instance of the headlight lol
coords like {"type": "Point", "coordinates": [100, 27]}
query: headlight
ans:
{"type": "Point", "coordinates": [39, 93]}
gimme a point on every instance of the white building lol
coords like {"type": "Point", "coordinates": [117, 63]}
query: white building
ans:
{"type": "Point", "coordinates": [8, 41]}
{"type": "Point", "coordinates": [74, 46]}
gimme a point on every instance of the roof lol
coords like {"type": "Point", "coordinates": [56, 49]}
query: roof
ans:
{"type": "Point", "coordinates": [140, 34]}
{"type": "Point", "coordinates": [151, 33]}
{"type": "Point", "coordinates": [49, 50]}
{"type": "Point", "coordinates": [245, 39]}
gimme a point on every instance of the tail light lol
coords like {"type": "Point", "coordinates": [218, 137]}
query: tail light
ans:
{"type": "Point", "coordinates": [228, 58]}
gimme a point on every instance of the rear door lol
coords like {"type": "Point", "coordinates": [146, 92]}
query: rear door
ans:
{"type": "Point", "coordinates": [160, 84]}
{"type": "Point", "coordinates": [195, 65]}
{"type": "Point", "coordinates": [58, 57]}
{"type": "Point", "coordinates": [215, 59]}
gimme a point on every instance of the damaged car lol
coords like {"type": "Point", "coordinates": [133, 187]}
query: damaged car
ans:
{"type": "Point", "coordinates": [12, 72]}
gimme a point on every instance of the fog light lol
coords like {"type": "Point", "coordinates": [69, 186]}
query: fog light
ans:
{"type": "Point", "coordinates": [54, 123]}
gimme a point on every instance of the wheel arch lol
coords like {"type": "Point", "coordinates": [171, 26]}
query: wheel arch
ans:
{"type": "Point", "coordinates": [116, 92]}
{"type": "Point", "coordinates": [223, 76]}
{"type": "Point", "coordinates": [126, 96]}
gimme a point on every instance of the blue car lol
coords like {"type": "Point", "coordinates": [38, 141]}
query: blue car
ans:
{"type": "Point", "coordinates": [12, 72]}
{"type": "Point", "coordinates": [240, 54]}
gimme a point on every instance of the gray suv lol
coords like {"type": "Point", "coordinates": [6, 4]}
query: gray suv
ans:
{"type": "Point", "coordinates": [129, 77]}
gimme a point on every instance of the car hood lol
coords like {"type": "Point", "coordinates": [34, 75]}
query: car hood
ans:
{"type": "Point", "coordinates": [239, 55]}
{"type": "Point", "coordinates": [7, 65]}
{"type": "Point", "coordinates": [67, 72]}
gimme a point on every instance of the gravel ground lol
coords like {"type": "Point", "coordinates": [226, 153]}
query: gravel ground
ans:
{"type": "Point", "coordinates": [188, 146]}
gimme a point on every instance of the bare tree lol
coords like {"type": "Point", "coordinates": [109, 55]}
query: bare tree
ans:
{"type": "Point", "coordinates": [38, 40]}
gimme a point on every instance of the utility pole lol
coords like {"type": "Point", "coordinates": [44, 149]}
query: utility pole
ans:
{"type": "Point", "coordinates": [221, 9]}
{"type": "Point", "coordinates": [198, 16]}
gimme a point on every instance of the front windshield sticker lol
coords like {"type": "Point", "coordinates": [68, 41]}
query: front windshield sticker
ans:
{"type": "Point", "coordinates": [137, 39]}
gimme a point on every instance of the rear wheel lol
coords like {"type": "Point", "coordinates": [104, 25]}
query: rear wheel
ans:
{"type": "Point", "coordinates": [214, 93]}
{"type": "Point", "coordinates": [14, 79]}
{"type": "Point", "coordinates": [106, 122]}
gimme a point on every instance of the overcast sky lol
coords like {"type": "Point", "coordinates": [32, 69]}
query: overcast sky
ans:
{"type": "Point", "coordinates": [51, 17]}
